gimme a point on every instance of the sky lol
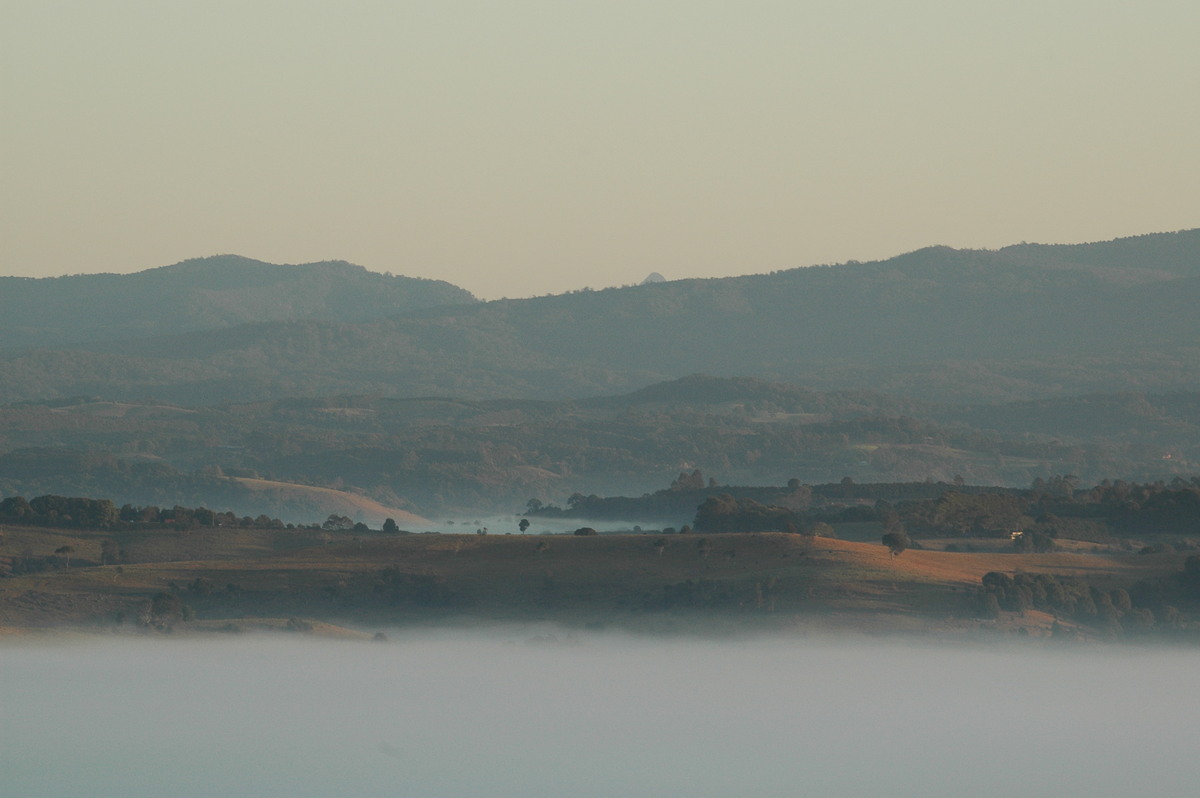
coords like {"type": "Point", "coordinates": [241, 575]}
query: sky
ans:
{"type": "Point", "coordinates": [527, 147]}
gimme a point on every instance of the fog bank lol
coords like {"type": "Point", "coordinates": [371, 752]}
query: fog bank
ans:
{"type": "Point", "coordinates": [529, 712]}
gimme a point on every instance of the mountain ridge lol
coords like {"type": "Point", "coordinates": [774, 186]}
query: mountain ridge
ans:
{"type": "Point", "coordinates": [202, 294]}
{"type": "Point", "coordinates": [1024, 322]}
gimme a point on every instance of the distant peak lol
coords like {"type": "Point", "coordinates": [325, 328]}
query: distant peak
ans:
{"type": "Point", "coordinates": [219, 262]}
{"type": "Point", "coordinates": [654, 277]}
{"type": "Point", "coordinates": [211, 261]}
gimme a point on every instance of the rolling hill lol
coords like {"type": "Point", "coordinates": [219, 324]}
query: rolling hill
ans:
{"type": "Point", "coordinates": [232, 579]}
{"type": "Point", "coordinates": [439, 455]}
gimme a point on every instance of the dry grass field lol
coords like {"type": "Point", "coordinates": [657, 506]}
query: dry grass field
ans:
{"type": "Point", "coordinates": [237, 579]}
{"type": "Point", "coordinates": [319, 502]}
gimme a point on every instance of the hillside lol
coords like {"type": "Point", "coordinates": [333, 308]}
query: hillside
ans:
{"type": "Point", "coordinates": [437, 456]}
{"type": "Point", "coordinates": [203, 294]}
{"type": "Point", "coordinates": [231, 578]}
{"type": "Point", "coordinates": [1021, 323]}
{"type": "Point", "coordinates": [289, 499]}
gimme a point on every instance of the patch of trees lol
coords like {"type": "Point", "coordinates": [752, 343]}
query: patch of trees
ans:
{"type": "Point", "coordinates": [1059, 508]}
{"type": "Point", "coordinates": [60, 511]}
{"type": "Point", "coordinates": [948, 508]}
{"type": "Point", "coordinates": [70, 472]}
{"type": "Point", "coordinates": [1111, 609]}
{"type": "Point", "coordinates": [1052, 508]}
{"type": "Point", "coordinates": [1149, 605]}
{"type": "Point", "coordinates": [83, 513]}
{"type": "Point", "coordinates": [680, 500]}
{"type": "Point", "coordinates": [698, 594]}
{"type": "Point", "coordinates": [1162, 510]}
{"type": "Point", "coordinates": [398, 587]}
{"type": "Point", "coordinates": [1034, 542]}
{"type": "Point", "coordinates": [725, 513]}
{"type": "Point", "coordinates": [27, 563]}
{"type": "Point", "coordinates": [1167, 594]}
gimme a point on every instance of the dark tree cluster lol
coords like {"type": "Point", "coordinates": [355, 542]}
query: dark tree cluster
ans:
{"type": "Point", "coordinates": [1060, 508]}
{"type": "Point", "coordinates": [83, 513]}
{"type": "Point", "coordinates": [1112, 609]}
{"type": "Point", "coordinates": [725, 513]}
{"type": "Point", "coordinates": [897, 542]}
{"type": "Point", "coordinates": [60, 511]}
{"type": "Point", "coordinates": [1170, 594]}
{"type": "Point", "coordinates": [398, 587]}
{"type": "Point", "coordinates": [698, 594]}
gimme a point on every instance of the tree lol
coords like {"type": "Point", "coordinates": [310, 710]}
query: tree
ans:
{"type": "Point", "coordinates": [15, 507]}
{"type": "Point", "coordinates": [165, 608]}
{"type": "Point", "coordinates": [523, 525]}
{"type": "Point", "coordinates": [896, 542]}
{"type": "Point", "coordinates": [389, 526]}
{"type": "Point", "coordinates": [201, 586]}
{"type": "Point", "coordinates": [1030, 540]}
{"type": "Point", "coordinates": [990, 606]}
{"type": "Point", "coordinates": [688, 482]}
{"type": "Point", "coordinates": [337, 522]}
{"type": "Point", "coordinates": [110, 552]}
{"type": "Point", "coordinates": [66, 551]}
{"type": "Point", "coordinates": [1191, 574]}
{"type": "Point", "coordinates": [820, 530]}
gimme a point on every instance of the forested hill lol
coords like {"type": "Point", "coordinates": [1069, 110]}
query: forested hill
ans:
{"type": "Point", "coordinates": [203, 294]}
{"type": "Point", "coordinates": [438, 457]}
{"type": "Point", "coordinates": [1022, 323]}
{"type": "Point", "coordinates": [1156, 255]}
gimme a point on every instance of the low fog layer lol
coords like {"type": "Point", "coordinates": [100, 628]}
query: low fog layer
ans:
{"type": "Point", "coordinates": [541, 712]}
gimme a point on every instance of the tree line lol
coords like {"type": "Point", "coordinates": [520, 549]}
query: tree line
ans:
{"type": "Point", "coordinates": [1159, 604]}
{"type": "Point", "coordinates": [1033, 517]}
{"type": "Point", "coordinates": [84, 513]}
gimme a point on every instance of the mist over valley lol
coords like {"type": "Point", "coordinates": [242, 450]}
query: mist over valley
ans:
{"type": "Point", "coordinates": [521, 711]}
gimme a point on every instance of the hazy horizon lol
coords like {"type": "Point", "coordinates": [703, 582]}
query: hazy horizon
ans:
{"type": "Point", "coordinates": [528, 148]}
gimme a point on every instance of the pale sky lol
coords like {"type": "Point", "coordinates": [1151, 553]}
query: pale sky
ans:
{"type": "Point", "coordinates": [519, 148]}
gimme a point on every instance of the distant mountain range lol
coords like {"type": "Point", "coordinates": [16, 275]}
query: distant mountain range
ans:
{"type": "Point", "coordinates": [203, 294]}
{"type": "Point", "coordinates": [1026, 322]}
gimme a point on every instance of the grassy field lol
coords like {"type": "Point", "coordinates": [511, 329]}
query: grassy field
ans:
{"type": "Point", "coordinates": [237, 579]}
